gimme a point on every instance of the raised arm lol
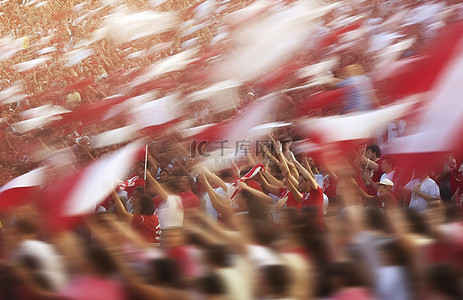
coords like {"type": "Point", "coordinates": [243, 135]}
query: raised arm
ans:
{"type": "Point", "coordinates": [121, 209]}
{"type": "Point", "coordinates": [156, 188]}
{"type": "Point", "coordinates": [256, 193]}
{"type": "Point", "coordinates": [307, 175]}
{"type": "Point", "coordinates": [214, 179]}
{"type": "Point", "coordinates": [217, 201]}
{"type": "Point", "coordinates": [275, 190]}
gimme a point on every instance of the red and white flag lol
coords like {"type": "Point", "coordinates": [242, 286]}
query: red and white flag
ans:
{"type": "Point", "coordinates": [157, 115]}
{"type": "Point", "coordinates": [79, 194]}
{"type": "Point", "coordinates": [21, 189]}
{"type": "Point", "coordinates": [440, 128]}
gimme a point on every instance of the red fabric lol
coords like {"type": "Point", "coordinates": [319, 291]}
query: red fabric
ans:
{"type": "Point", "coordinates": [330, 186]}
{"type": "Point", "coordinates": [353, 294]}
{"type": "Point", "coordinates": [182, 255]}
{"type": "Point", "coordinates": [376, 177]}
{"type": "Point", "coordinates": [254, 184]}
{"type": "Point", "coordinates": [189, 200]}
{"type": "Point", "coordinates": [148, 227]}
{"type": "Point", "coordinates": [387, 201]}
{"type": "Point", "coordinates": [136, 182]}
{"type": "Point", "coordinates": [291, 202]}
{"type": "Point", "coordinates": [17, 196]}
{"type": "Point", "coordinates": [314, 198]}
{"type": "Point", "coordinates": [89, 288]}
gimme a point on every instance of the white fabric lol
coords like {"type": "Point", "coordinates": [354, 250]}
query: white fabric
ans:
{"type": "Point", "coordinates": [262, 256]}
{"type": "Point", "coordinates": [51, 264]}
{"type": "Point", "coordinates": [210, 210]}
{"type": "Point", "coordinates": [428, 186]}
{"type": "Point", "coordinates": [389, 176]}
{"type": "Point", "coordinates": [236, 279]}
{"type": "Point", "coordinates": [170, 212]}
{"type": "Point", "coordinates": [392, 283]}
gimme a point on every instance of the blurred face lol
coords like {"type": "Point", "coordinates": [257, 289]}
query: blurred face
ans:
{"type": "Point", "coordinates": [172, 238]}
{"type": "Point", "coordinates": [184, 184]}
{"type": "Point", "coordinates": [303, 186]}
{"type": "Point", "coordinates": [386, 166]}
{"type": "Point", "coordinates": [369, 154]}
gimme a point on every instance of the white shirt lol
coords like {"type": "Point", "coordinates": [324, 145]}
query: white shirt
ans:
{"type": "Point", "coordinates": [210, 210]}
{"type": "Point", "coordinates": [170, 212]}
{"type": "Point", "coordinates": [392, 283]}
{"type": "Point", "coordinates": [51, 264]}
{"type": "Point", "coordinates": [428, 186]}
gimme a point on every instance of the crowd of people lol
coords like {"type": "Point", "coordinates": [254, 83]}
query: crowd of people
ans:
{"type": "Point", "coordinates": [277, 222]}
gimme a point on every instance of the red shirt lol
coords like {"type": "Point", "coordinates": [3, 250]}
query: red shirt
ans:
{"type": "Point", "coordinates": [148, 227]}
{"type": "Point", "coordinates": [291, 202]}
{"type": "Point", "coordinates": [189, 200]}
{"type": "Point", "coordinates": [314, 198]}
{"type": "Point", "coordinates": [132, 184]}
{"type": "Point", "coordinates": [376, 177]}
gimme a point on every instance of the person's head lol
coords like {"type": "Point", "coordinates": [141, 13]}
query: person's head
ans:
{"type": "Point", "coordinates": [345, 274]}
{"type": "Point", "coordinates": [373, 152]}
{"type": "Point", "coordinates": [211, 285]}
{"type": "Point", "coordinates": [386, 164]}
{"type": "Point", "coordinates": [385, 186]}
{"type": "Point", "coordinates": [256, 210]}
{"type": "Point", "coordinates": [217, 256]}
{"type": "Point", "coordinates": [274, 281]}
{"type": "Point", "coordinates": [165, 272]}
{"type": "Point", "coordinates": [417, 222]}
{"type": "Point", "coordinates": [101, 262]}
{"type": "Point", "coordinates": [172, 237]}
{"type": "Point", "coordinates": [304, 184]}
{"type": "Point", "coordinates": [172, 184]}
{"type": "Point", "coordinates": [146, 205]}
{"type": "Point", "coordinates": [226, 175]}
{"type": "Point", "coordinates": [444, 281]}
{"type": "Point", "coordinates": [375, 220]}
{"type": "Point", "coordinates": [137, 192]}
{"type": "Point", "coordinates": [25, 228]}
{"type": "Point", "coordinates": [393, 253]}
{"type": "Point", "coordinates": [185, 183]}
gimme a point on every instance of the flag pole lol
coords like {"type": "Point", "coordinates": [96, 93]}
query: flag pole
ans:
{"type": "Point", "coordinates": [146, 161]}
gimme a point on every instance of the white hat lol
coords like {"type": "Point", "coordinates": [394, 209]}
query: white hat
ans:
{"type": "Point", "coordinates": [386, 182]}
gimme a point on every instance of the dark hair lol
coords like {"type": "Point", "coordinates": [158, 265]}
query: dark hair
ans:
{"type": "Point", "coordinates": [396, 251]}
{"type": "Point", "coordinates": [217, 255]}
{"type": "Point", "coordinates": [245, 171]}
{"type": "Point", "coordinates": [211, 284]}
{"type": "Point", "coordinates": [262, 232]}
{"type": "Point", "coordinates": [172, 183]}
{"type": "Point", "coordinates": [418, 223]}
{"type": "Point", "coordinates": [348, 272]}
{"type": "Point", "coordinates": [377, 221]}
{"type": "Point", "coordinates": [166, 272]}
{"type": "Point", "coordinates": [138, 189]}
{"type": "Point", "coordinates": [389, 160]}
{"type": "Point", "coordinates": [226, 174]}
{"type": "Point", "coordinates": [256, 209]}
{"type": "Point", "coordinates": [25, 226]}
{"type": "Point", "coordinates": [146, 205]}
{"type": "Point", "coordinates": [277, 278]}
{"type": "Point", "coordinates": [445, 278]}
{"type": "Point", "coordinates": [375, 149]}
{"type": "Point", "coordinates": [101, 260]}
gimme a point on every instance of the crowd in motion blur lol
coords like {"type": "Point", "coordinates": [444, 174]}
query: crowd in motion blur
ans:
{"type": "Point", "coordinates": [181, 149]}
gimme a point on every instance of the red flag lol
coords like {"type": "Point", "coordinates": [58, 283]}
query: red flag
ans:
{"type": "Point", "coordinates": [21, 189]}
{"type": "Point", "coordinates": [70, 198]}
